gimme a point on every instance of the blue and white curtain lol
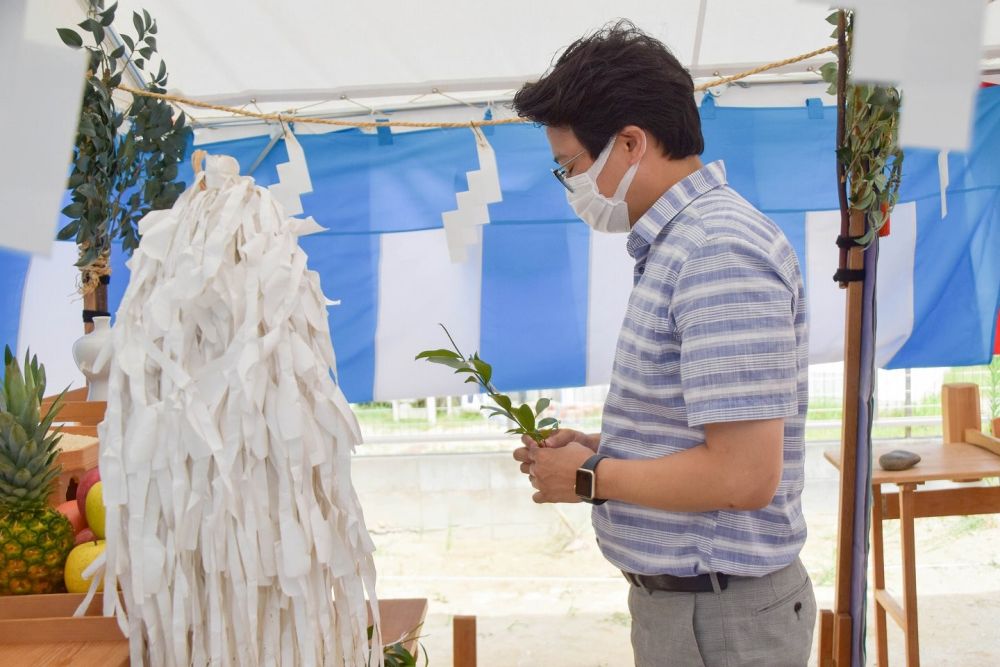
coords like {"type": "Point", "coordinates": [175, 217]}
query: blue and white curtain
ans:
{"type": "Point", "coordinates": [540, 296]}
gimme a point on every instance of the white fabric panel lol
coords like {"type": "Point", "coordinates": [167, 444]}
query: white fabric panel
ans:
{"type": "Point", "coordinates": [894, 291]}
{"type": "Point", "coordinates": [610, 283]}
{"type": "Point", "coordinates": [419, 287]}
{"type": "Point", "coordinates": [50, 316]}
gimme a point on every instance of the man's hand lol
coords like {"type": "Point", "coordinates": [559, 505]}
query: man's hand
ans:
{"type": "Point", "coordinates": [560, 438]}
{"type": "Point", "coordinates": [564, 436]}
{"type": "Point", "coordinates": [552, 471]}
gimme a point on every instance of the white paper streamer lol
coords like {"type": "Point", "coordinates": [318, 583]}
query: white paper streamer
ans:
{"type": "Point", "coordinates": [461, 226]}
{"type": "Point", "coordinates": [233, 530]}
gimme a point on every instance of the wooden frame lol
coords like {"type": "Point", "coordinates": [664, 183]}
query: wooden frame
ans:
{"type": "Point", "coordinates": [974, 457]}
{"type": "Point", "coordinates": [41, 630]}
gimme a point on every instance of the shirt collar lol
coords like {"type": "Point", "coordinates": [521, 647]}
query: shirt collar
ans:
{"type": "Point", "coordinates": [673, 201]}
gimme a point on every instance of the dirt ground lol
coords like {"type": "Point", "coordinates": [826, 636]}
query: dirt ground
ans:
{"type": "Point", "coordinates": [555, 601]}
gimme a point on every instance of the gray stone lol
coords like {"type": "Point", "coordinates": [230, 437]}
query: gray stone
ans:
{"type": "Point", "coordinates": [898, 459]}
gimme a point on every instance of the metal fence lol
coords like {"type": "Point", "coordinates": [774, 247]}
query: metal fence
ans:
{"type": "Point", "coordinates": [908, 405]}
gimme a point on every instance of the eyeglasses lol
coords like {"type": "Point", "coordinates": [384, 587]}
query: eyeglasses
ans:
{"type": "Point", "coordinates": [560, 171]}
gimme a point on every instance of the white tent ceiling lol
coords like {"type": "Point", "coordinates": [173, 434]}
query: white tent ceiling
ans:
{"type": "Point", "coordinates": [332, 57]}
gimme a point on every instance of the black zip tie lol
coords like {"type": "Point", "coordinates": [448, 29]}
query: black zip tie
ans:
{"type": "Point", "coordinates": [849, 275]}
{"type": "Point", "coordinates": [848, 242]}
{"type": "Point", "coordinates": [89, 315]}
{"type": "Point", "coordinates": [105, 280]}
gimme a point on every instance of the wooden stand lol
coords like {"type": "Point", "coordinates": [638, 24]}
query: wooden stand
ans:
{"type": "Point", "coordinates": [952, 460]}
{"type": "Point", "coordinates": [464, 641]}
{"type": "Point", "coordinates": [41, 630]}
{"type": "Point", "coordinates": [77, 420]}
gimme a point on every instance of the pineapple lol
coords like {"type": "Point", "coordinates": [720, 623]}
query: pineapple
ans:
{"type": "Point", "coordinates": [34, 538]}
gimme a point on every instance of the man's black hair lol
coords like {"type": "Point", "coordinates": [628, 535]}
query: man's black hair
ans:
{"type": "Point", "coordinates": [615, 77]}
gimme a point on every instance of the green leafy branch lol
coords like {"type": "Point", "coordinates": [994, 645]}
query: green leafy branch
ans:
{"type": "Point", "coordinates": [870, 151]}
{"type": "Point", "coordinates": [528, 419]}
{"type": "Point", "coordinates": [119, 175]}
{"type": "Point", "coordinates": [396, 654]}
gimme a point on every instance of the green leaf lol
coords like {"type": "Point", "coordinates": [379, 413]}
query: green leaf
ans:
{"type": "Point", "coordinates": [149, 20]}
{"type": "Point", "coordinates": [128, 42]}
{"type": "Point", "coordinates": [833, 18]}
{"type": "Point", "coordinates": [485, 370]}
{"type": "Point", "coordinates": [541, 405]}
{"type": "Point", "coordinates": [108, 15]}
{"type": "Point", "coordinates": [438, 353]}
{"type": "Point", "coordinates": [137, 22]}
{"type": "Point", "coordinates": [95, 29]}
{"type": "Point", "coordinates": [151, 42]}
{"type": "Point", "coordinates": [74, 210]}
{"type": "Point", "coordinates": [548, 422]}
{"type": "Point", "coordinates": [146, 52]}
{"type": "Point", "coordinates": [503, 401]}
{"type": "Point", "coordinates": [161, 74]}
{"type": "Point", "coordinates": [525, 416]}
{"type": "Point", "coordinates": [118, 52]}
{"type": "Point", "coordinates": [69, 231]}
{"type": "Point", "coordinates": [70, 37]}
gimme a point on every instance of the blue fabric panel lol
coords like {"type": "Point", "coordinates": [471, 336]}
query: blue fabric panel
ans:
{"type": "Point", "coordinates": [534, 304]}
{"type": "Point", "coordinates": [779, 159]}
{"type": "Point", "coordinates": [362, 187]}
{"type": "Point", "coordinates": [349, 270]}
{"type": "Point", "coordinates": [13, 275]}
{"type": "Point", "coordinates": [956, 276]}
{"type": "Point", "coordinates": [530, 192]}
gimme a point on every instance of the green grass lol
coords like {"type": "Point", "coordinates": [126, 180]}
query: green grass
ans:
{"type": "Point", "coordinates": [376, 418]}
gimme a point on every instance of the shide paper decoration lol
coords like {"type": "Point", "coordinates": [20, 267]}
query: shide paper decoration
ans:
{"type": "Point", "coordinates": [233, 529]}
{"type": "Point", "coordinates": [461, 226]}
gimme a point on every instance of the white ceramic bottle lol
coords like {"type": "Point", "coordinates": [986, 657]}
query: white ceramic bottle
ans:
{"type": "Point", "coordinates": [86, 353]}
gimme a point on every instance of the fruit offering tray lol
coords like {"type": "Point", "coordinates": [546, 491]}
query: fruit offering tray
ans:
{"type": "Point", "coordinates": [41, 630]}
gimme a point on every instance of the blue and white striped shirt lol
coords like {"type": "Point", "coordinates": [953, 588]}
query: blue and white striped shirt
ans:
{"type": "Point", "coordinates": [715, 331]}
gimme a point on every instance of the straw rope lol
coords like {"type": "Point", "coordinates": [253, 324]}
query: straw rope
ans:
{"type": "Point", "coordinates": [292, 118]}
{"type": "Point", "coordinates": [90, 275]}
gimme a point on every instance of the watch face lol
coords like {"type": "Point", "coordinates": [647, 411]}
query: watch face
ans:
{"type": "Point", "coordinates": [585, 483]}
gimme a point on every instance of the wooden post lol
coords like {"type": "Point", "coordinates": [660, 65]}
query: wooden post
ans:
{"type": "Point", "coordinates": [841, 642]}
{"type": "Point", "coordinates": [825, 658]}
{"type": "Point", "coordinates": [959, 410]}
{"type": "Point", "coordinates": [464, 641]}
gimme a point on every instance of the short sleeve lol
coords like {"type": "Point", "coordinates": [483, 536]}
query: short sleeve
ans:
{"type": "Point", "coordinates": [734, 316]}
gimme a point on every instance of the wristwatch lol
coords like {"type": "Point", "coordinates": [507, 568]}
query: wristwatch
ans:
{"type": "Point", "coordinates": [586, 480]}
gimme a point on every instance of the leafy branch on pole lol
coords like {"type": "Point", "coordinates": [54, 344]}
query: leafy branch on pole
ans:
{"type": "Point", "coordinates": [868, 153]}
{"type": "Point", "coordinates": [125, 162]}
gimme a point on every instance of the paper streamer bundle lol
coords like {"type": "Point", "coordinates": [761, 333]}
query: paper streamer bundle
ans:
{"type": "Point", "coordinates": [233, 530]}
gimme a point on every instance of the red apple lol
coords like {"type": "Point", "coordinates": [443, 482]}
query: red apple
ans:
{"type": "Point", "coordinates": [72, 512]}
{"type": "Point", "coordinates": [85, 535]}
{"type": "Point", "coordinates": [89, 478]}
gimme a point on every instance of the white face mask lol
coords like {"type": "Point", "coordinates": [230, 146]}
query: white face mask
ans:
{"type": "Point", "coordinates": [601, 213]}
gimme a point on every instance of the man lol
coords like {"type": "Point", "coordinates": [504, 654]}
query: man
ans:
{"type": "Point", "coordinates": [697, 473]}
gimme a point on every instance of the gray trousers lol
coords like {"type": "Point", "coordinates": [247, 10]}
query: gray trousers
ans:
{"type": "Point", "coordinates": [766, 621]}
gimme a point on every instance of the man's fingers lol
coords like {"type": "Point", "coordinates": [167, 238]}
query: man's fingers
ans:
{"type": "Point", "coordinates": [539, 497]}
{"type": "Point", "coordinates": [521, 454]}
{"type": "Point", "coordinates": [562, 437]}
{"type": "Point", "coordinates": [525, 468]}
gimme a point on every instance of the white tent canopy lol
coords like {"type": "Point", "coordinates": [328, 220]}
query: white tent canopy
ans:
{"type": "Point", "coordinates": [327, 57]}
